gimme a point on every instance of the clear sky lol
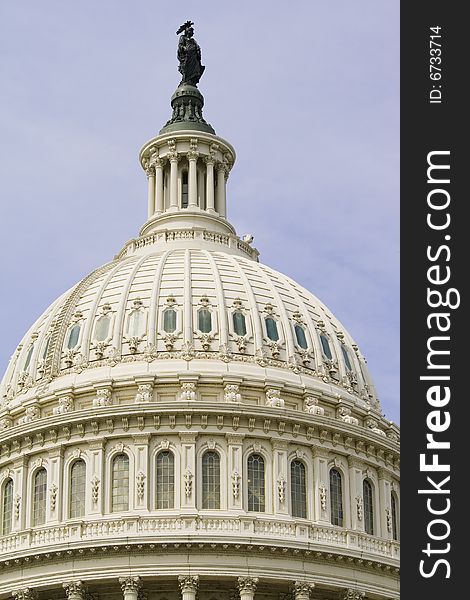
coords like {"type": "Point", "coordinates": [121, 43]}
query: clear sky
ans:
{"type": "Point", "coordinates": [306, 91]}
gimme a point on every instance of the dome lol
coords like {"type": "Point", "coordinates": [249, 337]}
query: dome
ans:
{"type": "Point", "coordinates": [188, 422]}
{"type": "Point", "coordinates": [143, 314]}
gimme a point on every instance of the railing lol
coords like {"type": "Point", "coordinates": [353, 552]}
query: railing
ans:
{"type": "Point", "coordinates": [261, 530]}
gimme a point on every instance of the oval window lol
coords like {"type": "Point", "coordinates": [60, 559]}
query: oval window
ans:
{"type": "Point", "coordinates": [300, 335]}
{"type": "Point", "coordinates": [169, 320]}
{"type": "Point", "coordinates": [135, 323]}
{"type": "Point", "coordinates": [239, 324]}
{"type": "Point", "coordinates": [73, 336]}
{"type": "Point", "coordinates": [102, 328]}
{"type": "Point", "coordinates": [325, 344]}
{"type": "Point", "coordinates": [346, 358]}
{"type": "Point", "coordinates": [271, 329]}
{"type": "Point", "coordinates": [205, 320]}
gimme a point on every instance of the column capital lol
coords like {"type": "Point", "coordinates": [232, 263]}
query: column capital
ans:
{"type": "Point", "coordinates": [75, 590]}
{"type": "Point", "coordinates": [25, 594]}
{"type": "Point", "coordinates": [350, 594]}
{"type": "Point", "coordinates": [150, 171]}
{"type": "Point", "coordinates": [173, 157]}
{"type": "Point", "coordinates": [192, 155]}
{"type": "Point", "coordinates": [303, 589]}
{"type": "Point", "coordinates": [188, 583]}
{"type": "Point", "coordinates": [247, 584]}
{"type": "Point", "coordinates": [130, 584]}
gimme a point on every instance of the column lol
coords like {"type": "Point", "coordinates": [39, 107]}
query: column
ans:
{"type": "Point", "coordinates": [321, 485]}
{"type": "Point", "coordinates": [141, 447]}
{"type": "Point", "coordinates": [20, 493]}
{"type": "Point", "coordinates": [159, 186]}
{"type": "Point", "coordinates": [303, 589]}
{"type": "Point", "coordinates": [188, 469]}
{"type": "Point", "coordinates": [385, 493]}
{"type": "Point", "coordinates": [150, 171]}
{"type": "Point", "coordinates": [210, 206]}
{"type": "Point", "coordinates": [75, 590]}
{"type": "Point", "coordinates": [280, 475]}
{"type": "Point", "coordinates": [130, 587]}
{"type": "Point", "coordinates": [188, 586]}
{"type": "Point", "coordinates": [235, 470]}
{"type": "Point", "coordinates": [221, 201]}
{"type": "Point", "coordinates": [54, 484]}
{"type": "Point", "coordinates": [247, 587]}
{"type": "Point", "coordinates": [355, 493]}
{"type": "Point", "coordinates": [95, 478]}
{"type": "Point", "coordinates": [192, 179]}
{"type": "Point", "coordinates": [26, 593]}
{"type": "Point", "coordinates": [173, 156]}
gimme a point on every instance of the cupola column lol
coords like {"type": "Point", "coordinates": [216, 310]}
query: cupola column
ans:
{"type": "Point", "coordinates": [130, 587]}
{"type": "Point", "coordinates": [221, 199]}
{"type": "Point", "coordinates": [159, 186]}
{"type": "Point", "coordinates": [151, 191]}
{"type": "Point", "coordinates": [173, 156]}
{"type": "Point", "coordinates": [210, 206]}
{"type": "Point", "coordinates": [188, 586]}
{"type": "Point", "coordinates": [192, 178]}
{"type": "Point", "coordinates": [247, 587]}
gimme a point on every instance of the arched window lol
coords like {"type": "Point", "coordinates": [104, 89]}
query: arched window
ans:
{"type": "Point", "coordinates": [210, 480]}
{"type": "Point", "coordinates": [368, 506]}
{"type": "Point", "coordinates": [77, 489]}
{"type": "Point", "coordinates": [256, 485]}
{"type": "Point", "coordinates": [73, 336]}
{"type": "Point", "coordinates": [120, 483]}
{"type": "Point", "coordinates": [169, 320]}
{"type": "Point", "coordinates": [28, 358]}
{"type": "Point", "coordinates": [300, 335]}
{"type": "Point", "coordinates": [165, 488]}
{"type": "Point", "coordinates": [271, 329]}
{"type": "Point", "coordinates": [346, 358]}
{"type": "Point", "coordinates": [39, 497]}
{"type": "Point", "coordinates": [239, 323]}
{"type": "Point", "coordinates": [102, 328]}
{"type": "Point", "coordinates": [46, 348]}
{"type": "Point", "coordinates": [7, 507]}
{"type": "Point", "coordinates": [394, 510]}
{"type": "Point", "coordinates": [336, 498]}
{"type": "Point", "coordinates": [205, 320]}
{"type": "Point", "coordinates": [184, 191]}
{"type": "Point", "coordinates": [325, 344]}
{"type": "Point", "coordinates": [298, 489]}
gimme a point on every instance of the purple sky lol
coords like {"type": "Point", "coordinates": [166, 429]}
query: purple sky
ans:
{"type": "Point", "coordinates": [307, 92]}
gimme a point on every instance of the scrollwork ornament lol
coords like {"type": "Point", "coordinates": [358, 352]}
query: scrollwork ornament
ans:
{"type": "Point", "coordinates": [281, 488]}
{"type": "Point", "coordinates": [188, 482]}
{"type": "Point", "coordinates": [236, 484]}
{"type": "Point", "coordinates": [322, 489]}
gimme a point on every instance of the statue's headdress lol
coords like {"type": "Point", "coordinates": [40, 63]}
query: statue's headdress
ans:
{"type": "Point", "coordinates": [184, 26]}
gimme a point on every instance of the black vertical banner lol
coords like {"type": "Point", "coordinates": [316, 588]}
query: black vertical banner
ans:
{"type": "Point", "coordinates": [435, 263]}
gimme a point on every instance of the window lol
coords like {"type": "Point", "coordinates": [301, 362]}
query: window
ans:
{"type": "Point", "coordinates": [169, 320]}
{"type": "Point", "coordinates": [165, 488]}
{"type": "Point", "coordinates": [368, 507]}
{"type": "Point", "coordinates": [7, 507]}
{"type": "Point", "coordinates": [102, 328]}
{"type": "Point", "coordinates": [300, 335]}
{"type": "Point", "coordinates": [325, 344]}
{"type": "Point", "coordinates": [336, 498]}
{"type": "Point", "coordinates": [46, 348]}
{"type": "Point", "coordinates": [184, 190]}
{"type": "Point", "coordinates": [120, 484]}
{"type": "Point", "coordinates": [134, 328]}
{"type": "Point", "coordinates": [346, 358]}
{"type": "Point", "coordinates": [211, 480]}
{"type": "Point", "coordinates": [205, 320]}
{"type": "Point", "coordinates": [394, 510]}
{"type": "Point", "coordinates": [73, 336]}
{"type": "Point", "coordinates": [28, 359]}
{"type": "Point", "coordinates": [77, 489]}
{"type": "Point", "coordinates": [271, 329]}
{"type": "Point", "coordinates": [298, 489]}
{"type": "Point", "coordinates": [239, 323]}
{"type": "Point", "coordinates": [256, 487]}
{"type": "Point", "coordinates": [39, 497]}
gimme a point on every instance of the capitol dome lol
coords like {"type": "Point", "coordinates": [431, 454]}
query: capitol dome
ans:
{"type": "Point", "coordinates": [186, 420]}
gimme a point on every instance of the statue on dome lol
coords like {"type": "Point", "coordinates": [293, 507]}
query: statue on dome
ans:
{"type": "Point", "coordinates": [189, 55]}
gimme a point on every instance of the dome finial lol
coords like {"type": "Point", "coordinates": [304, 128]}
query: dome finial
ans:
{"type": "Point", "coordinates": [189, 55]}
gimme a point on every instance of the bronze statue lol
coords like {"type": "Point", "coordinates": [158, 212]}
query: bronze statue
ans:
{"type": "Point", "coordinates": [189, 55]}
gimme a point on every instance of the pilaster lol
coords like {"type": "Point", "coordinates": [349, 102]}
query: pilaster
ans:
{"type": "Point", "coordinates": [235, 469]}
{"type": "Point", "coordinates": [321, 485]}
{"type": "Point", "coordinates": [188, 470]}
